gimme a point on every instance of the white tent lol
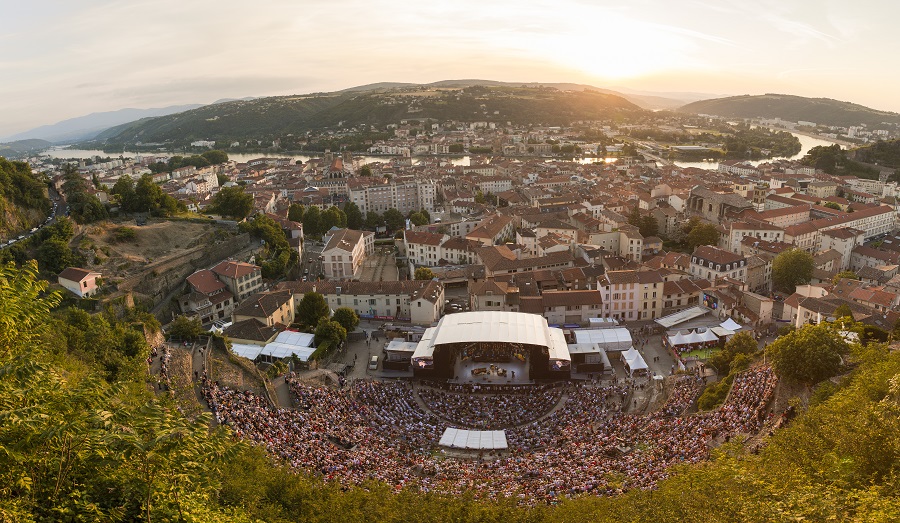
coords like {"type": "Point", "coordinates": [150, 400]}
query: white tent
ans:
{"type": "Point", "coordinates": [289, 343]}
{"type": "Point", "coordinates": [634, 361]}
{"type": "Point", "coordinates": [614, 339]}
{"type": "Point", "coordinates": [731, 325]}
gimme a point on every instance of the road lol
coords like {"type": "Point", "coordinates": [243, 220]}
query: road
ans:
{"type": "Point", "coordinates": [310, 262]}
{"type": "Point", "coordinates": [59, 209]}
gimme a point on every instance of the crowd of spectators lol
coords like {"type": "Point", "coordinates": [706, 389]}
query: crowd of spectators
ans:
{"type": "Point", "coordinates": [590, 444]}
{"type": "Point", "coordinates": [490, 411]}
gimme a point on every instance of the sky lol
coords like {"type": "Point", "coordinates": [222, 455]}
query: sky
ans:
{"type": "Point", "coordinates": [67, 58]}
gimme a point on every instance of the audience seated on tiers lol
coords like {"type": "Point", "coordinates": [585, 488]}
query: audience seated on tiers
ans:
{"type": "Point", "coordinates": [378, 430]}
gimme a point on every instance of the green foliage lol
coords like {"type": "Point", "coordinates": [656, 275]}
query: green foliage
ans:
{"type": "Point", "coordinates": [791, 268]}
{"type": "Point", "coordinates": [354, 216]}
{"type": "Point", "coordinates": [84, 207]}
{"type": "Point", "coordinates": [647, 225]}
{"type": "Point", "coordinates": [184, 328]}
{"type": "Point", "coordinates": [833, 160]}
{"type": "Point", "coordinates": [394, 220]}
{"type": "Point", "coordinates": [312, 222]}
{"type": "Point", "coordinates": [850, 275]}
{"type": "Point", "coordinates": [347, 318]}
{"type": "Point", "coordinates": [123, 234]}
{"type": "Point", "coordinates": [808, 355]}
{"type": "Point", "coordinates": [374, 220]}
{"type": "Point", "coordinates": [330, 332]}
{"type": "Point", "coordinates": [702, 234]}
{"type": "Point", "coordinates": [365, 170]}
{"type": "Point", "coordinates": [423, 273]}
{"type": "Point", "coordinates": [741, 343]}
{"type": "Point", "coordinates": [215, 156]}
{"type": "Point", "coordinates": [20, 186]}
{"type": "Point", "coordinates": [295, 213]}
{"type": "Point", "coordinates": [832, 205]}
{"type": "Point", "coordinates": [333, 217]}
{"type": "Point", "coordinates": [54, 256]}
{"type": "Point", "coordinates": [311, 309]}
{"type": "Point", "coordinates": [233, 202]}
{"type": "Point", "coordinates": [715, 393]}
{"type": "Point", "coordinates": [843, 311]}
{"type": "Point", "coordinates": [418, 218]}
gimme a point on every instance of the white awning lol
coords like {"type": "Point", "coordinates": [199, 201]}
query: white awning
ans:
{"type": "Point", "coordinates": [246, 350]}
{"type": "Point", "coordinates": [731, 325]}
{"type": "Point", "coordinates": [425, 346]}
{"type": "Point", "coordinates": [401, 345]}
{"type": "Point", "coordinates": [681, 316]}
{"type": "Point", "coordinates": [721, 331]}
{"type": "Point", "coordinates": [614, 339]}
{"type": "Point", "coordinates": [474, 439]}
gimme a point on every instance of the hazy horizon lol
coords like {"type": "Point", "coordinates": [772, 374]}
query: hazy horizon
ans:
{"type": "Point", "coordinates": [62, 60]}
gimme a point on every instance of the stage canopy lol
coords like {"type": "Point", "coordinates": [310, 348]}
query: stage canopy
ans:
{"type": "Point", "coordinates": [474, 439]}
{"type": "Point", "coordinates": [246, 350]}
{"type": "Point", "coordinates": [559, 349]}
{"type": "Point", "coordinates": [492, 327]}
{"type": "Point", "coordinates": [289, 343]}
{"type": "Point", "coordinates": [615, 339]}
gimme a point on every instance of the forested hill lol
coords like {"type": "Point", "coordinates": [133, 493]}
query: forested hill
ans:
{"type": "Point", "coordinates": [885, 154]}
{"type": "Point", "coordinates": [23, 200]}
{"type": "Point", "coordinates": [269, 118]}
{"type": "Point", "coordinates": [822, 111]}
{"type": "Point", "coordinates": [21, 148]}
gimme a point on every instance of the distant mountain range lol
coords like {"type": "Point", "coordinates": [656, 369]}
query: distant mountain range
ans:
{"type": "Point", "coordinates": [822, 111]}
{"type": "Point", "coordinates": [89, 126]}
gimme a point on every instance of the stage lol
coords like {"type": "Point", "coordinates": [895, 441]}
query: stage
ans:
{"type": "Point", "coordinates": [491, 373]}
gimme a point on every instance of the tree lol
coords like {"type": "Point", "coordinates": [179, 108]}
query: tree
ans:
{"type": "Point", "coordinates": [333, 217]}
{"type": "Point", "coordinates": [741, 343]}
{"type": "Point", "coordinates": [354, 216]}
{"type": "Point", "coordinates": [347, 317]}
{"type": "Point", "coordinates": [365, 170]}
{"type": "Point", "coordinates": [702, 234]}
{"type": "Point", "coordinates": [808, 355]}
{"type": "Point", "coordinates": [222, 179]}
{"type": "Point", "coordinates": [54, 256]}
{"type": "Point", "coordinates": [184, 328]}
{"type": "Point", "coordinates": [850, 275]}
{"type": "Point", "coordinates": [295, 212]}
{"type": "Point", "coordinates": [147, 195]}
{"type": "Point", "coordinates": [791, 268]}
{"type": "Point", "coordinates": [479, 197]}
{"type": "Point", "coordinates": [312, 221]}
{"type": "Point", "coordinates": [843, 311]}
{"type": "Point", "coordinates": [330, 332]}
{"type": "Point", "coordinates": [394, 220]}
{"type": "Point", "coordinates": [424, 273]}
{"type": "Point", "coordinates": [311, 309]}
{"type": "Point", "coordinates": [832, 205]}
{"type": "Point", "coordinates": [124, 189]}
{"type": "Point", "coordinates": [374, 220]}
{"type": "Point", "coordinates": [418, 219]}
{"type": "Point", "coordinates": [215, 156]}
{"type": "Point", "coordinates": [233, 202]}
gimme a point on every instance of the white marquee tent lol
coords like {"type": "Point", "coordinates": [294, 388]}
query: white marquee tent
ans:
{"type": "Point", "coordinates": [615, 339]}
{"type": "Point", "coordinates": [634, 361]}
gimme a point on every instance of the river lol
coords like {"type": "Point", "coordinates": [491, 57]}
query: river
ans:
{"type": "Point", "coordinates": [806, 143]}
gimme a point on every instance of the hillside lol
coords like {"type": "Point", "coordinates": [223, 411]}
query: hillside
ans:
{"type": "Point", "coordinates": [22, 147]}
{"type": "Point", "coordinates": [886, 154]}
{"type": "Point", "coordinates": [272, 117]}
{"type": "Point", "coordinates": [23, 200]}
{"type": "Point", "coordinates": [822, 111]}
